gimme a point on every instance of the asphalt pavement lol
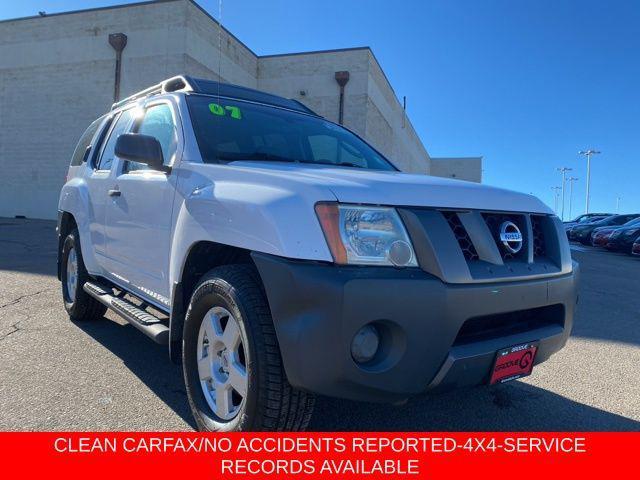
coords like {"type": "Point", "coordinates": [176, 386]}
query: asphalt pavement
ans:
{"type": "Point", "coordinates": [105, 375]}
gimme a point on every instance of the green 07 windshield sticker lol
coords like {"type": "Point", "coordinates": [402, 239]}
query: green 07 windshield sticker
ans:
{"type": "Point", "coordinates": [233, 111]}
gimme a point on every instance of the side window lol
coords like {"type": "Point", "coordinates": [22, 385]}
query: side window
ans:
{"type": "Point", "coordinates": [84, 144]}
{"type": "Point", "coordinates": [158, 122]}
{"type": "Point", "coordinates": [108, 151]}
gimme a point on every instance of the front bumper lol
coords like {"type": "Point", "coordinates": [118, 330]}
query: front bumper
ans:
{"type": "Point", "coordinates": [317, 309]}
{"type": "Point", "coordinates": [600, 240]}
{"type": "Point", "coordinates": [580, 236]}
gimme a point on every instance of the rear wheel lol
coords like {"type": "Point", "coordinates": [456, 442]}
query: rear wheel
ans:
{"type": "Point", "coordinates": [78, 304]}
{"type": "Point", "coordinates": [232, 365]}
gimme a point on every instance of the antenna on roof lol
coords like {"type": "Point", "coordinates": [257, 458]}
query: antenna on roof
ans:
{"type": "Point", "coordinates": [219, 43]}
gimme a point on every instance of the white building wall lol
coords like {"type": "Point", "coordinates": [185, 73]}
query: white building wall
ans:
{"type": "Point", "coordinates": [57, 76]}
{"type": "Point", "coordinates": [388, 125]}
{"type": "Point", "coordinates": [459, 168]}
{"type": "Point", "coordinates": [314, 73]}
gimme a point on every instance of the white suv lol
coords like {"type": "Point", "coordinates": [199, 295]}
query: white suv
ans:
{"type": "Point", "coordinates": [278, 255]}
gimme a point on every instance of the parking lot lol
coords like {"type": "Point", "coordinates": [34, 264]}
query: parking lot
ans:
{"type": "Point", "coordinates": [105, 375]}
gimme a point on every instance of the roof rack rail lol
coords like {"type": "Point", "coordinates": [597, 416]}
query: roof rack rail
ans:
{"type": "Point", "coordinates": [184, 83]}
{"type": "Point", "coordinates": [179, 83]}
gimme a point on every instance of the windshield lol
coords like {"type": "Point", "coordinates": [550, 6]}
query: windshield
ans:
{"type": "Point", "coordinates": [228, 130]}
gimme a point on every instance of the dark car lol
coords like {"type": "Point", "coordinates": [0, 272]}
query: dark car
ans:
{"type": "Point", "coordinates": [622, 238]}
{"type": "Point", "coordinates": [582, 233]}
{"type": "Point", "coordinates": [586, 217]}
{"type": "Point", "coordinates": [600, 236]}
{"type": "Point", "coordinates": [569, 226]}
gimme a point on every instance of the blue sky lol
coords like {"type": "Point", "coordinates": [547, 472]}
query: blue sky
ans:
{"type": "Point", "coordinates": [526, 84]}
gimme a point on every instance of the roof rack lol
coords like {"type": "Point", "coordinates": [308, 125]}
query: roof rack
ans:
{"type": "Point", "coordinates": [184, 83]}
{"type": "Point", "coordinates": [179, 83]}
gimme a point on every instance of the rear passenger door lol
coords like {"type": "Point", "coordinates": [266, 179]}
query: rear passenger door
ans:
{"type": "Point", "coordinates": [138, 226]}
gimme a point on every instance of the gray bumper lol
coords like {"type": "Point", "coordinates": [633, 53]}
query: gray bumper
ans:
{"type": "Point", "coordinates": [438, 336]}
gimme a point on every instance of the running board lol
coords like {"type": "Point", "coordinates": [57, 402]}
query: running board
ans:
{"type": "Point", "coordinates": [148, 324]}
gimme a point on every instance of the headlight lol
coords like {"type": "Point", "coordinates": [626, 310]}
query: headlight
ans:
{"type": "Point", "coordinates": [361, 235]}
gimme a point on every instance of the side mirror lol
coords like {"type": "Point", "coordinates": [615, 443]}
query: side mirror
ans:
{"type": "Point", "coordinates": [140, 148]}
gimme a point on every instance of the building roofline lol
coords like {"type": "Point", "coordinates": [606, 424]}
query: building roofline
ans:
{"type": "Point", "coordinates": [468, 157]}
{"type": "Point", "coordinates": [126, 5]}
{"type": "Point", "coordinates": [313, 52]}
{"type": "Point", "coordinates": [85, 10]}
{"type": "Point", "coordinates": [336, 50]}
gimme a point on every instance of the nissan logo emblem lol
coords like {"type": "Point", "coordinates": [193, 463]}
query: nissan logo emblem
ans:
{"type": "Point", "coordinates": [510, 237]}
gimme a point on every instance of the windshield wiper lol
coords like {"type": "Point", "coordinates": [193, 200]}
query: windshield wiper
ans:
{"type": "Point", "coordinates": [334, 164]}
{"type": "Point", "coordinates": [257, 156]}
{"type": "Point", "coordinates": [232, 157]}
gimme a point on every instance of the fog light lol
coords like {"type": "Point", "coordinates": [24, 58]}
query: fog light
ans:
{"type": "Point", "coordinates": [365, 344]}
{"type": "Point", "coordinates": [400, 253]}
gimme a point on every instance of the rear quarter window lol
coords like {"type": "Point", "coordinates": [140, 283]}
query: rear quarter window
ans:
{"type": "Point", "coordinates": [81, 153]}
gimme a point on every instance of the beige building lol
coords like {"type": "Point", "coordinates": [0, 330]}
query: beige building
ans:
{"type": "Point", "coordinates": [460, 168]}
{"type": "Point", "coordinates": [58, 73]}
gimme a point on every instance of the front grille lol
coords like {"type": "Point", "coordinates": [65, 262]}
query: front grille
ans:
{"type": "Point", "coordinates": [488, 327]}
{"type": "Point", "coordinates": [466, 245]}
{"type": "Point", "coordinates": [539, 246]}
{"type": "Point", "coordinates": [494, 222]}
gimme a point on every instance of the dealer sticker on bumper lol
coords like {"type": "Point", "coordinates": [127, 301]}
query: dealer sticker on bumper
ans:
{"type": "Point", "coordinates": [513, 362]}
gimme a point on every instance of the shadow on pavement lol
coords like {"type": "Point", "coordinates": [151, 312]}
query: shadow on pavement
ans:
{"type": "Point", "coordinates": [609, 297]}
{"type": "Point", "coordinates": [512, 407]}
{"type": "Point", "coordinates": [28, 246]}
{"type": "Point", "coordinates": [146, 359]}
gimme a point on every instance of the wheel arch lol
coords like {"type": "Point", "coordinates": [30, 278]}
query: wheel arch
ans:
{"type": "Point", "coordinates": [66, 224]}
{"type": "Point", "coordinates": [201, 257]}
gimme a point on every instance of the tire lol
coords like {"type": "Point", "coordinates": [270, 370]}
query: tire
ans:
{"type": "Point", "coordinates": [270, 402]}
{"type": "Point", "coordinates": [79, 305]}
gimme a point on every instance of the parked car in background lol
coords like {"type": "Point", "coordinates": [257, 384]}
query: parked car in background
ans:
{"type": "Point", "coordinates": [569, 225]}
{"type": "Point", "coordinates": [600, 236]}
{"type": "Point", "coordinates": [621, 239]}
{"type": "Point", "coordinates": [586, 217]}
{"type": "Point", "coordinates": [635, 250]}
{"type": "Point", "coordinates": [582, 233]}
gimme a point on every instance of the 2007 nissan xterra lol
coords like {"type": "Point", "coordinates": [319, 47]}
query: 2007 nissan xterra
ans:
{"type": "Point", "coordinates": [278, 255]}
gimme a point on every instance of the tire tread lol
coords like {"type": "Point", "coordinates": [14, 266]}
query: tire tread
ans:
{"type": "Point", "coordinates": [281, 407]}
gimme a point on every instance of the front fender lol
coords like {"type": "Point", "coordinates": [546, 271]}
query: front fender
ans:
{"type": "Point", "coordinates": [242, 212]}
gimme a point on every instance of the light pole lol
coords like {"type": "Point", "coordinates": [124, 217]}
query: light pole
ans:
{"type": "Point", "coordinates": [618, 204]}
{"type": "Point", "coordinates": [571, 180]}
{"type": "Point", "coordinates": [588, 153]}
{"type": "Point", "coordinates": [564, 171]}
{"type": "Point", "coordinates": [556, 195]}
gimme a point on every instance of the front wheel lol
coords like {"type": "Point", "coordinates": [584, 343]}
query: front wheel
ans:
{"type": "Point", "coordinates": [232, 365]}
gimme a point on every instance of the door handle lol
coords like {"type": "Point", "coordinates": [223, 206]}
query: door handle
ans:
{"type": "Point", "coordinates": [115, 193]}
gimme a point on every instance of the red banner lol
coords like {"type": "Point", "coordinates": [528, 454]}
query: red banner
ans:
{"type": "Point", "coordinates": [345, 456]}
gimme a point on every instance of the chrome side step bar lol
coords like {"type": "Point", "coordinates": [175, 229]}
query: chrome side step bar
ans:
{"type": "Point", "coordinates": [148, 324]}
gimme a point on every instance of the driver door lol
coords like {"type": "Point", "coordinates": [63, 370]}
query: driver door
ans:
{"type": "Point", "coordinates": [138, 225]}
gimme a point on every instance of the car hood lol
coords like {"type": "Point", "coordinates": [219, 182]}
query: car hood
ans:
{"type": "Point", "coordinates": [628, 230]}
{"type": "Point", "coordinates": [353, 185]}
